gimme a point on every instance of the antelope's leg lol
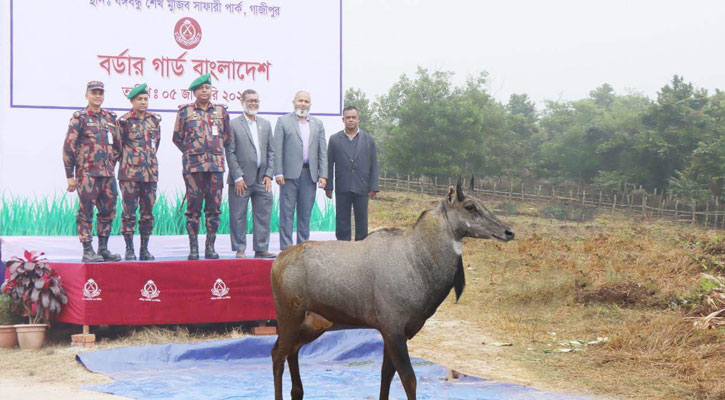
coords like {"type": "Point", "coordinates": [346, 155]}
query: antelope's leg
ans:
{"type": "Point", "coordinates": [386, 375]}
{"type": "Point", "coordinates": [289, 329]}
{"type": "Point", "coordinates": [313, 326]}
{"type": "Point", "coordinates": [397, 347]}
{"type": "Point", "coordinates": [280, 352]}
{"type": "Point", "coordinates": [294, 370]}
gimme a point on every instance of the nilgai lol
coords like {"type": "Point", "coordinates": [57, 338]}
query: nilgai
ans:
{"type": "Point", "coordinates": [392, 281]}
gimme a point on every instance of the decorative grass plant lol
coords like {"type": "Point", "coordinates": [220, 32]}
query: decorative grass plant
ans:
{"type": "Point", "coordinates": [55, 216]}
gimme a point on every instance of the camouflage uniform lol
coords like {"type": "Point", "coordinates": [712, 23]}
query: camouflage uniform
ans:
{"type": "Point", "coordinates": [201, 136]}
{"type": "Point", "coordinates": [135, 144]}
{"type": "Point", "coordinates": [88, 154]}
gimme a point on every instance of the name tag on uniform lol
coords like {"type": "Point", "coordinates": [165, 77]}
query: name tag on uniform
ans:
{"type": "Point", "coordinates": [109, 136]}
{"type": "Point", "coordinates": [214, 130]}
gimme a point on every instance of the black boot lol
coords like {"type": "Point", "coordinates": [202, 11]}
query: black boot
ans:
{"type": "Point", "coordinates": [130, 256]}
{"type": "Point", "coordinates": [103, 250]}
{"type": "Point", "coordinates": [209, 252]}
{"type": "Point", "coordinates": [89, 255]}
{"type": "Point", "coordinates": [193, 248]}
{"type": "Point", "coordinates": [144, 254]}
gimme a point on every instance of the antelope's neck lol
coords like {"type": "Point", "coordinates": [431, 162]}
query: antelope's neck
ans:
{"type": "Point", "coordinates": [435, 240]}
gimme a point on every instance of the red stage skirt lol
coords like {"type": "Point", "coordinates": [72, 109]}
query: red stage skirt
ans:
{"type": "Point", "coordinates": [166, 292]}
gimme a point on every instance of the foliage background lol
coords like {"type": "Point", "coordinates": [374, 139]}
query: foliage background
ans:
{"type": "Point", "coordinates": [427, 125]}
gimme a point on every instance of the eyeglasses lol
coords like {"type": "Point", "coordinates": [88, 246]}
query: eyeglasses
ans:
{"type": "Point", "coordinates": [252, 101]}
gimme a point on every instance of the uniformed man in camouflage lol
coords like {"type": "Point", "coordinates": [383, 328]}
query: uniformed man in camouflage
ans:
{"type": "Point", "coordinates": [89, 163]}
{"type": "Point", "coordinates": [201, 131]}
{"type": "Point", "coordinates": [136, 141]}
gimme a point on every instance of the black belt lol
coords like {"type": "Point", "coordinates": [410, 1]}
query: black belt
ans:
{"type": "Point", "coordinates": [306, 165]}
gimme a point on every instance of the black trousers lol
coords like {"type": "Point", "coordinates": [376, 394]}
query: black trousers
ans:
{"type": "Point", "coordinates": [345, 201]}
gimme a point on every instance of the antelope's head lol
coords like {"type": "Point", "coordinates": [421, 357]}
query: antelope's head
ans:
{"type": "Point", "coordinates": [468, 217]}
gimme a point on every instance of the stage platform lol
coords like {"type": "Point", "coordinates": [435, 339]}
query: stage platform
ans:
{"type": "Point", "coordinates": [170, 290]}
{"type": "Point", "coordinates": [68, 248]}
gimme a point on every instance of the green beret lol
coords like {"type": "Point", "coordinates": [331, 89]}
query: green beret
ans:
{"type": "Point", "coordinates": [140, 89]}
{"type": "Point", "coordinates": [206, 78]}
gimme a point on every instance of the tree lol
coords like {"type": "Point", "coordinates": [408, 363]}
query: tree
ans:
{"type": "Point", "coordinates": [673, 127]}
{"type": "Point", "coordinates": [358, 99]}
{"type": "Point", "coordinates": [436, 129]}
{"type": "Point", "coordinates": [706, 164]}
{"type": "Point", "coordinates": [416, 120]}
{"type": "Point", "coordinates": [525, 136]}
{"type": "Point", "coordinates": [592, 138]}
{"type": "Point", "coordinates": [603, 96]}
{"type": "Point", "coordinates": [426, 125]}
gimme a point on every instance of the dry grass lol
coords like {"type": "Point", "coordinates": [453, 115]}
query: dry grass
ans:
{"type": "Point", "coordinates": [633, 281]}
{"type": "Point", "coordinates": [638, 283]}
{"type": "Point", "coordinates": [56, 363]}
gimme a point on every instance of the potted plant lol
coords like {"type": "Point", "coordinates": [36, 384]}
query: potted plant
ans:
{"type": "Point", "coordinates": [8, 319]}
{"type": "Point", "coordinates": [36, 292]}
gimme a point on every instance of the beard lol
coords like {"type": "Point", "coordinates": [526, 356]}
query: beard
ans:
{"type": "Point", "coordinates": [301, 113]}
{"type": "Point", "coordinates": [250, 111]}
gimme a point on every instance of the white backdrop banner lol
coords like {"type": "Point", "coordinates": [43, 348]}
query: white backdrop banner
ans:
{"type": "Point", "coordinates": [52, 48]}
{"type": "Point", "coordinates": [274, 48]}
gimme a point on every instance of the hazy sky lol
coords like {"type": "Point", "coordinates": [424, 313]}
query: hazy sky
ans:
{"type": "Point", "coordinates": [549, 49]}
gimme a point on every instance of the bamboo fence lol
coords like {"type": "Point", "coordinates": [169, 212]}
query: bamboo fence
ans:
{"type": "Point", "coordinates": [710, 213]}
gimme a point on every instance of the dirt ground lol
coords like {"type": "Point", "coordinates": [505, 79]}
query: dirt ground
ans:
{"type": "Point", "coordinates": [51, 372]}
{"type": "Point", "coordinates": [28, 389]}
{"type": "Point", "coordinates": [469, 350]}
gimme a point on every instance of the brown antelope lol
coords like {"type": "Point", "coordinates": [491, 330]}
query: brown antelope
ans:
{"type": "Point", "coordinates": [392, 281]}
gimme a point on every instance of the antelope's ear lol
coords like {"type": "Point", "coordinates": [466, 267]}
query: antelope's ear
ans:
{"type": "Point", "coordinates": [451, 194]}
{"type": "Point", "coordinates": [459, 189]}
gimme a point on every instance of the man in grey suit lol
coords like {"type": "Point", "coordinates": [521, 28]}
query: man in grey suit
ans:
{"type": "Point", "coordinates": [300, 166]}
{"type": "Point", "coordinates": [251, 160]}
{"type": "Point", "coordinates": [352, 155]}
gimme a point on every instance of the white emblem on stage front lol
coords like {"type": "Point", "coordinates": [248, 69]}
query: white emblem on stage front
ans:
{"type": "Point", "coordinates": [220, 290]}
{"type": "Point", "coordinates": [91, 291]}
{"type": "Point", "coordinates": [150, 292]}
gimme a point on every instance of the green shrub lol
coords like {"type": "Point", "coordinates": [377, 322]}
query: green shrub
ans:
{"type": "Point", "coordinates": [556, 211]}
{"type": "Point", "coordinates": [564, 212]}
{"type": "Point", "coordinates": [7, 316]}
{"type": "Point", "coordinates": [508, 208]}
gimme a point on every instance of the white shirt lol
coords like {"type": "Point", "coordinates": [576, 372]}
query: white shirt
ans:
{"type": "Point", "coordinates": [255, 137]}
{"type": "Point", "coordinates": [304, 127]}
{"type": "Point", "coordinates": [305, 133]}
{"type": "Point", "coordinates": [255, 141]}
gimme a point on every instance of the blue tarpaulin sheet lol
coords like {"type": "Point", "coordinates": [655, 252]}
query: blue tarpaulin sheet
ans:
{"type": "Point", "coordinates": [339, 365]}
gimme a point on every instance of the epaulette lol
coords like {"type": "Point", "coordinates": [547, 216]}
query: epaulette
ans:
{"type": "Point", "coordinates": [77, 114]}
{"type": "Point", "coordinates": [113, 114]}
{"type": "Point", "coordinates": [124, 117]}
{"type": "Point", "coordinates": [157, 116]}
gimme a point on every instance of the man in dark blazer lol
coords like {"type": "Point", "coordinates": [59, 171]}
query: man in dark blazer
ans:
{"type": "Point", "coordinates": [352, 155]}
{"type": "Point", "coordinates": [300, 166]}
{"type": "Point", "coordinates": [251, 161]}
